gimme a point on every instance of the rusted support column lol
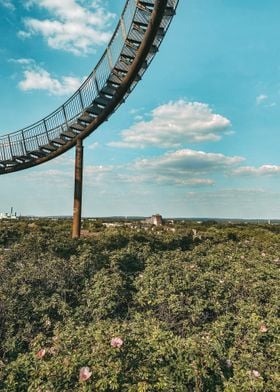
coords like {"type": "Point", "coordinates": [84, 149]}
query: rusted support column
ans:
{"type": "Point", "coordinates": [77, 212]}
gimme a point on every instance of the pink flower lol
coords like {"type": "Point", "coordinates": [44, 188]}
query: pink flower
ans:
{"type": "Point", "coordinates": [263, 254]}
{"type": "Point", "coordinates": [263, 328]}
{"type": "Point", "coordinates": [41, 353]}
{"type": "Point", "coordinates": [116, 342]}
{"type": "Point", "coordinates": [242, 257]}
{"type": "Point", "coordinates": [85, 373]}
{"type": "Point", "coordinates": [229, 363]}
{"type": "Point", "coordinates": [255, 373]}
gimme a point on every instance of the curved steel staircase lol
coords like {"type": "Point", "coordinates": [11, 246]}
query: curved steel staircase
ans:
{"type": "Point", "coordinates": [139, 33]}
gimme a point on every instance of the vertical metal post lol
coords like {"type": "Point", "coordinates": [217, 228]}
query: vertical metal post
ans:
{"type": "Point", "coordinates": [77, 212]}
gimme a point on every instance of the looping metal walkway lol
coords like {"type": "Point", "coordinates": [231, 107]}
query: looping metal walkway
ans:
{"type": "Point", "coordinates": [138, 35]}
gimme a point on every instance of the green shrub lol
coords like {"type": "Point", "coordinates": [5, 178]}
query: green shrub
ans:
{"type": "Point", "coordinates": [189, 314]}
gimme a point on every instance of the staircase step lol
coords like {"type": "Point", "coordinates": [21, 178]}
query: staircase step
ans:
{"type": "Point", "coordinates": [86, 118]}
{"type": "Point", "coordinates": [69, 134]}
{"type": "Point", "coordinates": [145, 6]}
{"type": "Point", "coordinates": [154, 49]}
{"type": "Point", "coordinates": [59, 141]}
{"type": "Point", "coordinates": [78, 127]}
{"type": "Point", "coordinates": [48, 147]}
{"type": "Point", "coordinates": [121, 66]}
{"type": "Point", "coordinates": [161, 32]}
{"type": "Point", "coordinates": [8, 162]}
{"type": "Point", "coordinates": [37, 154]}
{"type": "Point", "coordinates": [128, 55]}
{"type": "Point", "coordinates": [102, 100]}
{"type": "Point", "coordinates": [134, 41]}
{"type": "Point", "coordinates": [147, 3]}
{"type": "Point", "coordinates": [22, 158]}
{"type": "Point", "coordinates": [115, 79]}
{"type": "Point", "coordinates": [129, 51]}
{"type": "Point", "coordinates": [169, 11]}
{"type": "Point", "coordinates": [108, 90]}
{"type": "Point", "coordinates": [95, 110]}
{"type": "Point", "coordinates": [140, 23]}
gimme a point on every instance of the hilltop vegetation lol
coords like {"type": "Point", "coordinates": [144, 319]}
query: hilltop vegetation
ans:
{"type": "Point", "coordinates": [135, 310]}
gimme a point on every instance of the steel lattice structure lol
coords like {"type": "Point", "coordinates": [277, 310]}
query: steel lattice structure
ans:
{"type": "Point", "coordinates": [138, 35]}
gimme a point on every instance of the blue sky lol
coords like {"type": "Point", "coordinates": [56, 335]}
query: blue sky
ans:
{"type": "Point", "coordinates": [198, 137]}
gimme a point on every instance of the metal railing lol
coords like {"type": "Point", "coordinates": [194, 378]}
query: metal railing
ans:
{"type": "Point", "coordinates": [31, 138]}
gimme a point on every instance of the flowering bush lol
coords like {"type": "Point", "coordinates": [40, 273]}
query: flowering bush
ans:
{"type": "Point", "coordinates": [140, 311]}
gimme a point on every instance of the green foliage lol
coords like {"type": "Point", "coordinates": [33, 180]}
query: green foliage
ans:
{"type": "Point", "coordinates": [192, 313]}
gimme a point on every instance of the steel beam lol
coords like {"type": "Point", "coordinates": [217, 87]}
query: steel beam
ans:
{"type": "Point", "coordinates": [78, 189]}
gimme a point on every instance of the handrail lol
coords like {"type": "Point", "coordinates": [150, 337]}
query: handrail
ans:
{"type": "Point", "coordinates": [83, 85]}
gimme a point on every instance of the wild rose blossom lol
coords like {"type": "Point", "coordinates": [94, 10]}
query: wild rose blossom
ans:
{"type": "Point", "coordinates": [229, 363]}
{"type": "Point", "coordinates": [255, 373]}
{"type": "Point", "coordinates": [41, 353]}
{"type": "Point", "coordinates": [263, 328]}
{"type": "Point", "coordinates": [85, 373]}
{"type": "Point", "coordinates": [116, 342]}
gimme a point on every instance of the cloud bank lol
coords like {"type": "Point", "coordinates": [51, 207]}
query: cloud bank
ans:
{"type": "Point", "coordinates": [35, 77]}
{"type": "Point", "coordinates": [73, 26]}
{"type": "Point", "coordinates": [175, 124]}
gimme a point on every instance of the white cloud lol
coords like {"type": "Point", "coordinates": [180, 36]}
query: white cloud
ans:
{"type": "Point", "coordinates": [261, 98]}
{"type": "Point", "coordinates": [189, 161]}
{"type": "Point", "coordinates": [98, 170]}
{"type": "Point", "coordinates": [70, 26]}
{"type": "Point", "coordinates": [235, 203]}
{"type": "Point", "coordinates": [174, 124]}
{"type": "Point", "coordinates": [7, 4]}
{"type": "Point", "coordinates": [184, 167]}
{"type": "Point", "coordinates": [65, 161]}
{"type": "Point", "coordinates": [227, 195]}
{"type": "Point", "coordinates": [37, 78]}
{"type": "Point", "coordinates": [101, 176]}
{"type": "Point", "coordinates": [93, 146]}
{"type": "Point", "coordinates": [264, 170]}
{"type": "Point", "coordinates": [57, 177]}
{"type": "Point", "coordinates": [22, 61]}
{"type": "Point", "coordinates": [198, 182]}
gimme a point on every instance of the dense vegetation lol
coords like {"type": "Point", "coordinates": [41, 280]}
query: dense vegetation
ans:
{"type": "Point", "coordinates": [126, 309]}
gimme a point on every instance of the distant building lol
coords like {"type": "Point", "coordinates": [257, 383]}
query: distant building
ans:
{"type": "Point", "coordinates": [155, 220]}
{"type": "Point", "coordinates": [111, 224]}
{"type": "Point", "coordinates": [6, 215]}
